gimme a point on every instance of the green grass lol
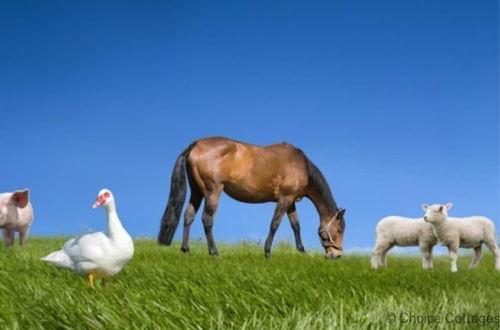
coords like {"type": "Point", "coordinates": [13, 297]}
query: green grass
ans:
{"type": "Point", "coordinates": [163, 288]}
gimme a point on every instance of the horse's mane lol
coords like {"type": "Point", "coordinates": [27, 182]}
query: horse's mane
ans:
{"type": "Point", "coordinates": [319, 183]}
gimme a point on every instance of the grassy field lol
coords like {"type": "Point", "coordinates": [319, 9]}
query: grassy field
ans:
{"type": "Point", "coordinates": [163, 288]}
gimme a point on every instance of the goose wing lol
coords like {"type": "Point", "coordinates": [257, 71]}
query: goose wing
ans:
{"type": "Point", "coordinates": [89, 247]}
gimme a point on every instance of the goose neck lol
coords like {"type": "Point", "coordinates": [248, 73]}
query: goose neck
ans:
{"type": "Point", "coordinates": [114, 225]}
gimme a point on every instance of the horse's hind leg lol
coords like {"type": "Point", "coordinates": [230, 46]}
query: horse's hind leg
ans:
{"type": "Point", "coordinates": [281, 208]}
{"type": "Point", "coordinates": [477, 257]}
{"type": "Point", "coordinates": [294, 221]}
{"type": "Point", "coordinates": [211, 203]}
{"type": "Point", "coordinates": [189, 214]}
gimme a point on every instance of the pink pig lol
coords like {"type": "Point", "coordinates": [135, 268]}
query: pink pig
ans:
{"type": "Point", "coordinates": [16, 214]}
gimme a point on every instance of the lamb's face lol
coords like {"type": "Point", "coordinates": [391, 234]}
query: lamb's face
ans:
{"type": "Point", "coordinates": [436, 213]}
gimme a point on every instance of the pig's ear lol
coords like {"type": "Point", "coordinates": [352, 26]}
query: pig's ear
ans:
{"type": "Point", "coordinates": [21, 198]}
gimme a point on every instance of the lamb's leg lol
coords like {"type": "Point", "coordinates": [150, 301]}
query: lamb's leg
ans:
{"type": "Point", "coordinates": [426, 256]}
{"type": "Point", "coordinates": [453, 257]}
{"type": "Point", "coordinates": [492, 245]}
{"type": "Point", "coordinates": [477, 257]}
{"type": "Point", "coordinates": [377, 250]}
{"type": "Point", "coordinates": [430, 265]}
{"type": "Point", "coordinates": [375, 258]}
{"type": "Point", "coordinates": [379, 253]}
{"type": "Point", "coordinates": [383, 257]}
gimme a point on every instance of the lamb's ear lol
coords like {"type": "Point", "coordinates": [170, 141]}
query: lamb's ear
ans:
{"type": "Point", "coordinates": [21, 198]}
{"type": "Point", "coordinates": [425, 207]}
{"type": "Point", "coordinates": [448, 206]}
{"type": "Point", "coordinates": [440, 208]}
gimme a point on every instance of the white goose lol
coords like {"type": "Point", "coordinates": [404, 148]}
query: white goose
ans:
{"type": "Point", "coordinates": [97, 255]}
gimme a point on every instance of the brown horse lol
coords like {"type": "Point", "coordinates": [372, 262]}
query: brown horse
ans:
{"type": "Point", "coordinates": [248, 173]}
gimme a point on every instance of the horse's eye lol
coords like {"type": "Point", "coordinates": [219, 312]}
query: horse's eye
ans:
{"type": "Point", "coordinates": [341, 226]}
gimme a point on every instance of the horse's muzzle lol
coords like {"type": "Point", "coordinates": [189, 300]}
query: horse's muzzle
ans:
{"type": "Point", "coordinates": [333, 253]}
{"type": "Point", "coordinates": [333, 256]}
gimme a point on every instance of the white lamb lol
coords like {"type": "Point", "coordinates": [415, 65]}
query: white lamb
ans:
{"type": "Point", "coordinates": [468, 232]}
{"type": "Point", "coordinates": [402, 231]}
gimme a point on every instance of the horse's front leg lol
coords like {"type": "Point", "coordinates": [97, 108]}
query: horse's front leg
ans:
{"type": "Point", "coordinates": [294, 221]}
{"type": "Point", "coordinates": [280, 210]}
{"type": "Point", "coordinates": [211, 203]}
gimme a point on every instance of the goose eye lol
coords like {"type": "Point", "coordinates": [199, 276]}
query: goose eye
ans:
{"type": "Point", "coordinates": [106, 194]}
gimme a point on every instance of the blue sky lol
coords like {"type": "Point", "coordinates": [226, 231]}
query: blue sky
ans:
{"type": "Point", "coordinates": [395, 101]}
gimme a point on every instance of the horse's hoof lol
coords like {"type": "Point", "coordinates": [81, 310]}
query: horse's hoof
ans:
{"type": "Point", "coordinates": [185, 249]}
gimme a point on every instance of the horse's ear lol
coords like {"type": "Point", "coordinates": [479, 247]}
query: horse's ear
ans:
{"type": "Point", "coordinates": [425, 207]}
{"type": "Point", "coordinates": [448, 206]}
{"type": "Point", "coordinates": [21, 198]}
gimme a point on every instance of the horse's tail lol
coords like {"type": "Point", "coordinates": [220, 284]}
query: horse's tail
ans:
{"type": "Point", "coordinates": [172, 213]}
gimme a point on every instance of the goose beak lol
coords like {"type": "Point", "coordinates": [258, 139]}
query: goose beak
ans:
{"type": "Point", "coordinates": [99, 201]}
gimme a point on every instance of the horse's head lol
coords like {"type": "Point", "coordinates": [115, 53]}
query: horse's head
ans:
{"type": "Point", "coordinates": [331, 235]}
